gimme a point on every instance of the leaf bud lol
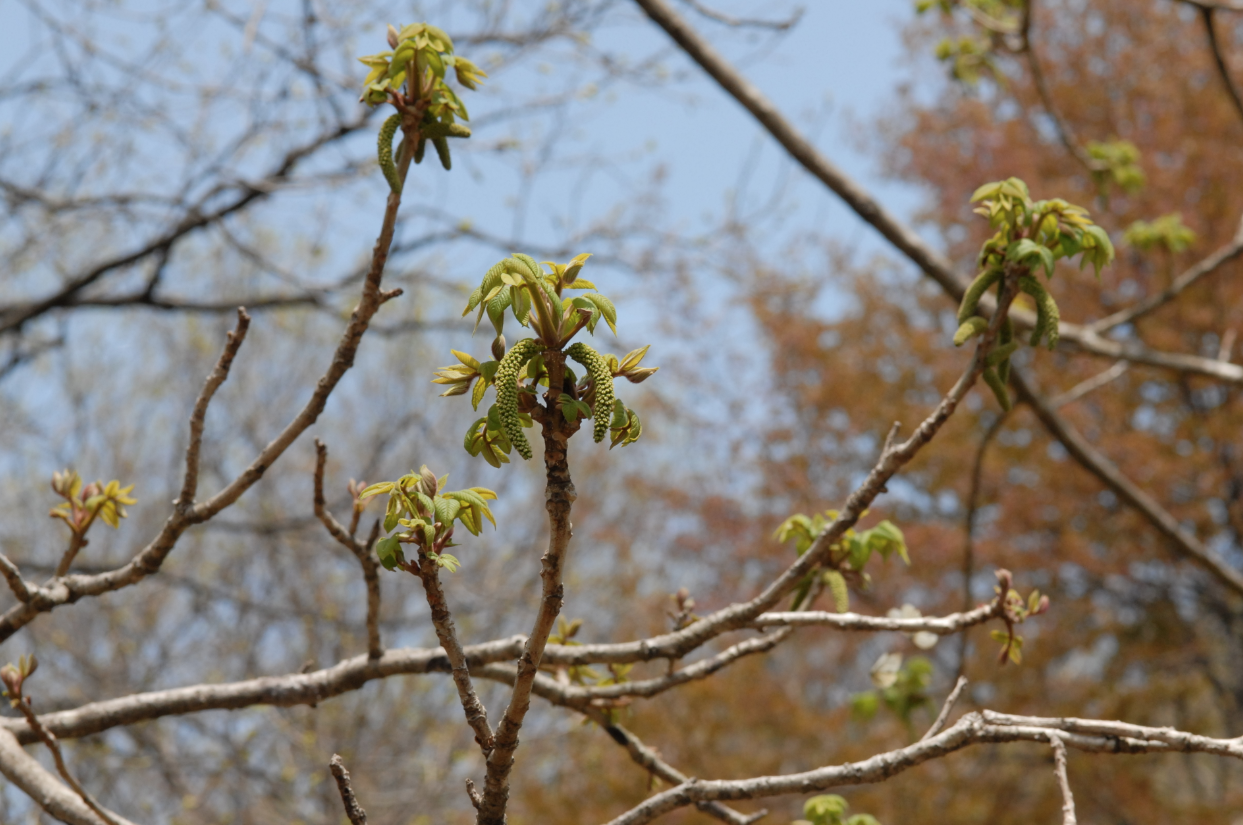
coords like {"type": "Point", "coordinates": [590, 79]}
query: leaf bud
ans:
{"type": "Point", "coordinates": [498, 347]}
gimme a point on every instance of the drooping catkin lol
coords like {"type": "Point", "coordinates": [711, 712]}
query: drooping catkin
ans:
{"type": "Point", "coordinates": [971, 298]}
{"type": "Point", "coordinates": [384, 151]}
{"type": "Point", "coordinates": [506, 381]}
{"type": "Point", "coordinates": [598, 368]}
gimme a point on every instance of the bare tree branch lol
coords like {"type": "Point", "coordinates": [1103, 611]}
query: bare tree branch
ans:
{"type": "Point", "coordinates": [14, 317]}
{"type": "Point", "coordinates": [353, 810]}
{"type": "Point", "coordinates": [972, 729]}
{"type": "Point", "coordinates": [1205, 267]}
{"type": "Point", "coordinates": [218, 376]}
{"type": "Point", "coordinates": [1065, 132]}
{"type": "Point", "coordinates": [351, 674]}
{"type": "Point", "coordinates": [67, 589]}
{"type": "Point", "coordinates": [905, 239]}
{"type": "Point", "coordinates": [280, 691]}
{"type": "Point", "coordinates": [940, 625]}
{"type": "Point", "coordinates": [1105, 470]}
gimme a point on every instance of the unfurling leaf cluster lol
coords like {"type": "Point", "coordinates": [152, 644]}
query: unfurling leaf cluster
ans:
{"type": "Point", "coordinates": [13, 676]}
{"type": "Point", "coordinates": [1167, 231]}
{"type": "Point", "coordinates": [847, 557]}
{"type": "Point", "coordinates": [83, 504]}
{"type": "Point", "coordinates": [426, 514]}
{"type": "Point", "coordinates": [1029, 237]}
{"type": "Point", "coordinates": [411, 76]}
{"type": "Point", "coordinates": [535, 297]}
{"type": "Point", "coordinates": [1015, 611]}
{"type": "Point", "coordinates": [1119, 164]}
{"type": "Point", "coordinates": [830, 809]}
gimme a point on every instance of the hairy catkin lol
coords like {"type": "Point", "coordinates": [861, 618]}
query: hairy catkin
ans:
{"type": "Point", "coordinates": [506, 381]}
{"type": "Point", "coordinates": [971, 299]}
{"type": "Point", "coordinates": [1047, 315]}
{"type": "Point", "coordinates": [598, 368]}
{"type": "Point", "coordinates": [384, 151]}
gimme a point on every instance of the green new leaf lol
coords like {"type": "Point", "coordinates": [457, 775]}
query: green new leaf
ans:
{"type": "Point", "coordinates": [388, 551]}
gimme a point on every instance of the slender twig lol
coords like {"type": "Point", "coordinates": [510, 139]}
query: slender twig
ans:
{"type": "Point", "coordinates": [49, 739]}
{"type": "Point", "coordinates": [1202, 268]}
{"type": "Point", "coordinates": [1065, 132]}
{"type": "Point", "coordinates": [1219, 58]}
{"type": "Point", "coordinates": [946, 708]}
{"type": "Point", "coordinates": [973, 509]}
{"type": "Point", "coordinates": [649, 759]}
{"type": "Point", "coordinates": [1063, 781]}
{"type": "Point", "coordinates": [1089, 385]}
{"type": "Point", "coordinates": [361, 551]}
{"type": "Point", "coordinates": [353, 810]}
{"type": "Point", "coordinates": [1095, 462]}
{"type": "Point", "coordinates": [746, 22]}
{"type": "Point", "coordinates": [233, 343]}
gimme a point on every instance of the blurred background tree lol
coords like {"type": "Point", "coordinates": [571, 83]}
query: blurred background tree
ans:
{"type": "Point", "coordinates": [161, 164]}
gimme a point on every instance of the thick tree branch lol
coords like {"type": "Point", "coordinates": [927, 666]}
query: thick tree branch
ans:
{"type": "Point", "coordinates": [279, 691]}
{"type": "Point", "coordinates": [49, 793]}
{"type": "Point", "coordinates": [905, 239]}
{"type": "Point", "coordinates": [1096, 463]}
